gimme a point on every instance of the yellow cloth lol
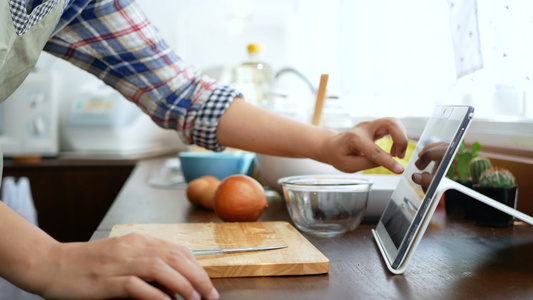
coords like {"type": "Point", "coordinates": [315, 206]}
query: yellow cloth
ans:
{"type": "Point", "coordinates": [386, 144]}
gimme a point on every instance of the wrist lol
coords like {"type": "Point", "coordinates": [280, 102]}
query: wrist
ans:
{"type": "Point", "coordinates": [321, 143]}
{"type": "Point", "coordinates": [43, 266]}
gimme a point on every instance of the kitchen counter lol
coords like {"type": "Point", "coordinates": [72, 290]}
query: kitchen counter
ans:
{"type": "Point", "coordinates": [455, 260]}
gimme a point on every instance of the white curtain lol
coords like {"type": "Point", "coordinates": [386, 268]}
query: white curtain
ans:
{"type": "Point", "coordinates": [396, 55]}
{"type": "Point", "coordinates": [403, 57]}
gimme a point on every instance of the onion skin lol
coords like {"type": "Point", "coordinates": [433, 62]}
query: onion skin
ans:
{"type": "Point", "coordinates": [195, 192]}
{"type": "Point", "coordinates": [240, 198]}
{"type": "Point", "coordinates": [207, 195]}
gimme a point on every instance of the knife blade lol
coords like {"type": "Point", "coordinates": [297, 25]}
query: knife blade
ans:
{"type": "Point", "coordinates": [243, 249]}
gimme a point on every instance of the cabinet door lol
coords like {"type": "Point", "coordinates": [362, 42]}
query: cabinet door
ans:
{"type": "Point", "coordinates": [71, 198]}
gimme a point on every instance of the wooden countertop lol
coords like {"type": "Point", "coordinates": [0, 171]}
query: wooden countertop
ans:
{"type": "Point", "coordinates": [455, 260]}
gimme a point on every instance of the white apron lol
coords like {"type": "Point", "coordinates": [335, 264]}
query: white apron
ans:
{"type": "Point", "coordinates": [22, 38]}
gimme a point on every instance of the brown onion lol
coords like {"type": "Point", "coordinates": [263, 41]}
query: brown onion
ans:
{"type": "Point", "coordinates": [201, 190]}
{"type": "Point", "coordinates": [240, 198]}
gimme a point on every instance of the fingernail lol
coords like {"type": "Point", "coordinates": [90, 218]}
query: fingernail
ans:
{"type": "Point", "coordinates": [417, 177]}
{"type": "Point", "coordinates": [214, 294]}
{"type": "Point", "coordinates": [195, 296]}
{"type": "Point", "coordinates": [397, 168]}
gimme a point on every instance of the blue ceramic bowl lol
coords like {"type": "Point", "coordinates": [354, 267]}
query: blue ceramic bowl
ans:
{"type": "Point", "coordinates": [218, 164]}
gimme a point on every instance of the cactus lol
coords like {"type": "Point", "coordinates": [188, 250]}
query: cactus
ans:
{"type": "Point", "coordinates": [477, 166]}
{"type": "Point", "coordinates": [496, 178]}
{"type": "Point", "coordinates": [459, 169]}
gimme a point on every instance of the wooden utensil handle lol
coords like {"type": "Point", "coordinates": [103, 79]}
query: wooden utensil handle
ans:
{"type": "Point", "coordinates": [320, 98]}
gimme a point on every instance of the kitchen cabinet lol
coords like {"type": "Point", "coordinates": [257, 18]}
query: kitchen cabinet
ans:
{"type": "Point", "coordinates": [72, 196]}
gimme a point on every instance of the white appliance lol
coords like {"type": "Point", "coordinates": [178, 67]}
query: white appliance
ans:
{"type": "Point", "coordinates": [28, 118]}
{"type": "Point", "coordinates": [99, 123]}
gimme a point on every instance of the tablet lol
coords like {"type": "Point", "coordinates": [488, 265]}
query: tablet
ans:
{"type": "Point", "coordinates": [411, 206]}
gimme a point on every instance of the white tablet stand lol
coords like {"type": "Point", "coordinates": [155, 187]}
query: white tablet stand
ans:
{"type": "Point", "coordinates": [447, 184]}
{"type": "Point", "coordinates": [444, 185]}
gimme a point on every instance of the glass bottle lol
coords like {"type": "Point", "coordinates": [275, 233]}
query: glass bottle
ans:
{"type": "Point", "coordinates": [254, 78]}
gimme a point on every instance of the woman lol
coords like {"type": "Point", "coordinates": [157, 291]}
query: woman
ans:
{"type": "Point", "coordinates": [114, 41]}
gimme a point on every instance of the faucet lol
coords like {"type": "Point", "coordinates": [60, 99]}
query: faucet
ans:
{"type": "Point", "coordinates": [297, 73]}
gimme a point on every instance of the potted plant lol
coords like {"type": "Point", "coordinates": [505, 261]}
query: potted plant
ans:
{"type": "Point", "coordinates": [455, 201]}
{"type": "Point", "coordinates": [477, 166]}
{"type": "Point", "coordinates": [498, 184]}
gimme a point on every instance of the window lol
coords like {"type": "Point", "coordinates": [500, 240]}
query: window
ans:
{"type": "Point", "coordinates": [399, 56]}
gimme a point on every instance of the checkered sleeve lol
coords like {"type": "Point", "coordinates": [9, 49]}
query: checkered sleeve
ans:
{"type": "Point", "coordinates": [116, 42]}
{"type": "Point", "coordinates": [207, 119]}
{"type": "Point", "coordinates": [24, 21]}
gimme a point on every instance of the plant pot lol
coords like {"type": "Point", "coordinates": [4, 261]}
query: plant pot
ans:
{"type": "Point", "coordinates": [456, 202]}
{"type": "Point", "coordinates": [489, 216]}
{"type": "Point", "coordinates": [470, 204]}
{"type": "Point", "coordinates": [453, 202]}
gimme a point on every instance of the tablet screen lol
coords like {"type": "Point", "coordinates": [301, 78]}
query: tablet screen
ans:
{"type": "Point", "coordinates": [429, 163]}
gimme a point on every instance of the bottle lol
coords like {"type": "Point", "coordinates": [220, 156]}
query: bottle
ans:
{"type": "Point", "coordinates": [254, 78]}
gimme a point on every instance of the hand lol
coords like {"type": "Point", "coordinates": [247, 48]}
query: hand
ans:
{"type": "Point", "coordinates": [355, 150]}
{"type": "Point", "coordinates": [123, 267]}
{"type": "Point", "coordinates": [432, 152]}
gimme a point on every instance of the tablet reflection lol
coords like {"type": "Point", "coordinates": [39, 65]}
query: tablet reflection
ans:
{"type": "Point", "coordinates": [429, 159]}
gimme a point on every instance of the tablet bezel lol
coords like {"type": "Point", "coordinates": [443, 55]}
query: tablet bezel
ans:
{"type": "Point", "coordinates": [397, 257]}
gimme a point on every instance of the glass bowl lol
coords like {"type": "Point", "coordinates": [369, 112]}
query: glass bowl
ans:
{"type": "Point", "coordinates": [326, 205]}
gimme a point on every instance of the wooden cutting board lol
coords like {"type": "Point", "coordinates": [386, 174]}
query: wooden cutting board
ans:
{"type": "Point", "coordinates": [299, 258]}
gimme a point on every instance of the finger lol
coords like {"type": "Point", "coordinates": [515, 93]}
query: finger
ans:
{"type": "Point", "coordinates": [399, 150]}
{"type": "Point", "coordinates": [397, 132]}
{"type": "Point", "coordinates": [378, 156]}
{"type": "Point", "coordinates": [358, 163]}
{"type": "Point", "coordinates": [157, 270]}
{"type": "Point", "coordinates": [429, 156]}
{"type": "Point", "coordinates": [422, 162]}
{"type": "Point", "coordinates": [191, 269]}
{"type": "Point", "coordinates": [423, 179]}
{"type": "Point", "coordinates": [433, 155]}
{"type": "Point", "coordinates": [133, 287]}
{"type": "Point", "coordinates": [180, 259]}
{"type": "Point", "coordinates": [437, 148]}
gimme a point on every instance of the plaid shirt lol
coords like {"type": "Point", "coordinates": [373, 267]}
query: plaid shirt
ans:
{"type": "Point", "coordinates": [117, 43]}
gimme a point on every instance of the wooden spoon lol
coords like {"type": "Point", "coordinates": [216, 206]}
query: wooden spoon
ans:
{"type": "Point", "coordinates": [320, 98]}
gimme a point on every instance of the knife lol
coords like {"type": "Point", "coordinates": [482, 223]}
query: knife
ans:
{"type": "Point", "coordinates": [225, 250]}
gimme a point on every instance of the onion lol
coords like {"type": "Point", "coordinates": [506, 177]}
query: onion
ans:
{"type": "Point", "coordinates": [240, 198]}
{"type": "Point", "coordinates": [201, 190]}
{"type": "Point", "coordinates": [207, 194]}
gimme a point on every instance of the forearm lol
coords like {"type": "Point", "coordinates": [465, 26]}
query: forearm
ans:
{"type": "Point", "coordinates": [23, 249]}
{"type": "Point", "coordinates": [247, 127]}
